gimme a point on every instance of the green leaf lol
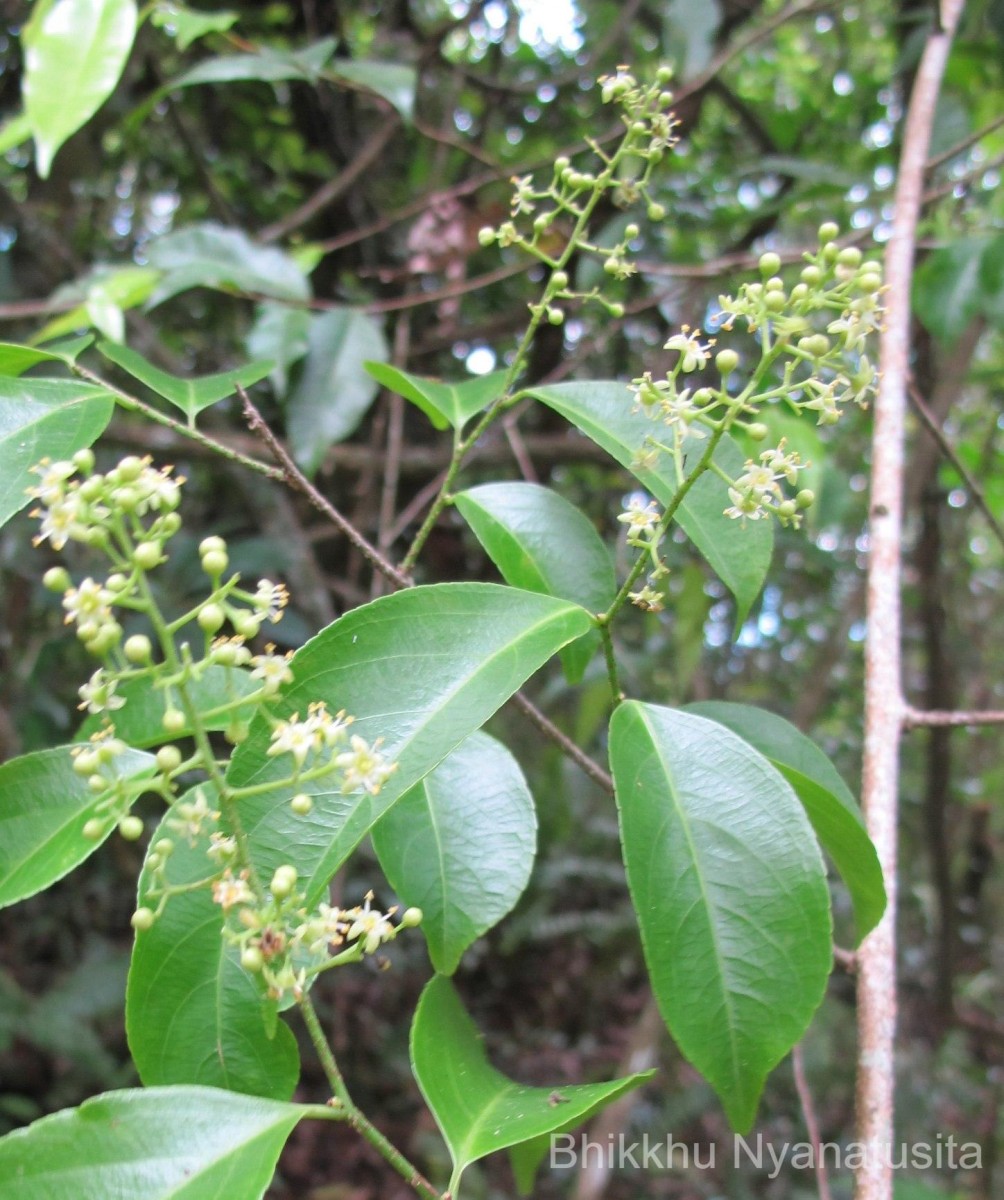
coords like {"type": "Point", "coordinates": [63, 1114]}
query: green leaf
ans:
{"type": "Point", "coordinates": [15, 359]}
{"type": "Point", "coordinates": [193, 1015]}
{"type": "Point", "coordinates": [992, 281]}
{"type": "Point", "coordinates": [827, 800]}
{"type": "Point", "coordinates": [739, 555]}
{"type": "Point", "coordinates": [280, 334]}
{"type": "Point", "coordinates": [946, 288]}
{"type": "Point", "coordinates": [213, 256]}
{"type": "Point", "coordinates": [44, 418]}
{"type": "Point", "coordinates": [422, 669]}
{"type": "Point", "coordinates": [334, 390]}
{"type": "Point", "coordinates": [186, 25]}
{"type": "Point", "coordinates": [478, 1109]}
{"type": "Point", "coordinates": [140, 721]}
{"type": "Point", "coordinates": [544, 544]}
{"type": "Point", "coordinates": [445, 404]}
{"type": "Point", "coordinates": [730, 891]}
{"type": "Point", "coordinates": [44, 806]}
{"type": "Point", "coordinates": [14, 131]}
{"type": "Point", "coordinates": [184, 1143]}
{"type": "Point", "coordinates": [460, 845]}
{"type": "Point", "coordinates": [396, 82]}
{"type": "Point", "coordinates": [267, 66]}
{"type": "Point", "coordinates": [73, 57]}
{"type": "Point", "coordinates": [190, 395]}
{"type": "Point", "coordinates": [118, 287]}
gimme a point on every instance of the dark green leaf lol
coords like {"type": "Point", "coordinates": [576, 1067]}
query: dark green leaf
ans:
{"type": "Point", "coordinates": [544, 544]}
{"type": "Point", "coordinates": [827, 800]}
{"type": "Point", "coordinates": [396, 82]}
{"type": "Point", "coordinates": [460, 845]}
{"type": "Point", "coordinates": [15, 359]}
{"type": "Point", "coordinates": [267, 66]}
{"type": "Point", "coordinates": [193, 1015]}
{"type": "Point", "coordinates": [44, 805]}
{"type": "Point", "coordinates": [281, 335]}
{"type": "Point", "coordinates": [195, 1143]}
{"type": "Point", "coordinates": [422, 669]}
{"type": "Point", "coordinates": [186, 25]}
{"type": "Point", "coordinates": [478, 1109]}
{"type": "Point", "coordinates": [946, 287]}
{"type": "Point", "coordinates": [730, 892]}
{"type": "Point", "coordinates": [739, 555]}
{"type": "Point", "coordinates": [445, 404]}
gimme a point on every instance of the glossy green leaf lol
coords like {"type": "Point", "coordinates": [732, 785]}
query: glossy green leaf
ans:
{"type": "Point", "coordinates": [396, 82]}
{"type": "Point", "coordinates": [44, 805]}
{"type": "Point", "coordinates": [280, 334]}
{"type": "Point", "coordinates": [544, 544]}
{"type": "Point", "coordinates": [267, 66]}
{"type": "Point", "coordinates": [15, 359]}
{"type": "Point", "coordinates": [738, 554]}
{"type": "Point", "coordinates": [74, 54]}
{"type": "Point", "coordinates": [193, 1015]}
{"type": "Point", "coordinates": [186, 25]}
{"type": "Point", "coordinates": [183, 1143]}
{"type": "Point", "coordinates": [44, 418]}
{"type": "Point", "coordinates": [119, 287]}
{"type": "Point", "coordinates": [478, 1109]}
{"type": "Point", "coordinates": [422, 669]}
{"type": "Point", "coordinates": [730, 891]}
{"type": "Point", "coordinates": [827, 800]}
{"type": "Point", "coordinates": [190, 395]}
{"type": "Point", "coordinates": [213, 256]}
{"type": "Point", "coordinates": [445, 404]}
{"type": "Point", "coordinates": [460, 845]}
{"type": "Point", "coordinates": [140, 721]}
{"type": "Point", "coordinates": [334, 390]}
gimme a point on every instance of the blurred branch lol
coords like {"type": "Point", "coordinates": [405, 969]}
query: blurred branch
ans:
{"type": "Point", "coordinates": [811, 1122]}
{"type": "Point", "coordinates": [916, 718]}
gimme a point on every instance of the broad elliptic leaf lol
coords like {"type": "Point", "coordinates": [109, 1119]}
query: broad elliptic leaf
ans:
{"type": "Point", "coordinates": [739, 554]}
{"type": "Point", "coordinates": [171, 1143]}
{"type": "Point", "coordinates": [460, 846]}
{"type": "Point", "coordinates": [281, 335]}
{"type": "Point", "coordinates": [445, 404]}
{"type": "Point", "coordinates": [15, 359]}
{"type": "Point", "coordinates": [44, 806]}
{"type": "Point", "coordinates": [44, 418]}
{"type": "Point", "coordinates": [827, 800]}
{"type": "Point", "coordinates": [730, 891]}
{"type": "Point", "coordinates": [108, 288]}
{"type": "Point", "coordinates": [267, 66]}
{"type": "Point", "coordinates": [946, 287]}
{"type": "Point", "coordinates": [186, 25]}
{"type": "Point", "coordinates": [213, 256]}
{"type": "Point", "coordinates": [478, 1109]}
{"type": "Point", "coordinates": [140, 720]}
{"type": "Point", "coordinates": [74, 54]}
{"type": "Point", "coordinates": [396, 82]}
{"type": "Point", "coordinates": [544, 544]}
{"type": "Point", "coordinates": [334, 390]}
{"type": "Point", "coordinates": [190, 395]}
{"type": "Point", "coordinates": [422, 669]}
{"type": "Point", "coordinates": [193, 1015]}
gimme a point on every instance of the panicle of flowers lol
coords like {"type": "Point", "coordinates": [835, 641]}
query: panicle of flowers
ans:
{"type": "Point", "coordinates": [758, 491]}
{"type": "Point", "coordinates": [193, 819]}
{"type": "Point", "coordinates": [303, 739]}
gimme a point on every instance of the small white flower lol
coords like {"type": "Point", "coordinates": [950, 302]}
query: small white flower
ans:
{"type": "Point", "coordinates": [98, 694]}
{"type": "Point", "coordinates": [88, 602]}
{"type": "Point", "coordinates": [639, 516]}
{"type": "Point", "coordinates": [272, 669]}
{"type": "Point", "coordinates": [364, 767]}
{"type": "Point", "coordinates": [295, 737]}
{"type": "Point", "coordinates": [229, 891]}
{"type": "Point", "coordinates": [61, 520]}
{"type": "Point", "coordinates": [693, 355]}
{"type": "Point", "coordinates": [270, 599]}
{"type": "Point", "coordinates": [373, 927]}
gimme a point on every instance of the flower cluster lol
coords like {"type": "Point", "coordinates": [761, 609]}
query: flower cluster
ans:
{"type": "Point", "coordinates": [758, 491]}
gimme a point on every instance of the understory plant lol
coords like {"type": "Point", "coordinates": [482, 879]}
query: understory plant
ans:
{"type": "Point", "coordinates": [272, 768]}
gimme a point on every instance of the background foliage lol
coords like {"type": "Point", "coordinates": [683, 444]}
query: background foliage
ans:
{"type": "Point", "coordinates": [304, 185]}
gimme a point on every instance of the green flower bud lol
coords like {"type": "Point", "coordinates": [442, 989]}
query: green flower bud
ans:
{"type": "Point", "coordinates": [83, 460]}
{"type": "Point", "coordinates": [86, 762]}
{"type": "Point", "coordinates": [411, 917]}
{"type": "Point", "coordinates": [212, 545]}
{"type": "Point", "coordinates": [57, 579]}
{"type": "Point", "coordinates": [142, 919]}
{"type": "Point", "coordinates": [774, 284]}
{"type": "Point", "coordinates": [812, 276]}
{"type": "Point", "coordinates": [131, 828]}
{"type": "Point", "coordinates": [555, 316]}
{"type": "Point", "coordinates": [631, 231]}
{"type": "Point", "coordinates": [787, 509]}
{"type": "Point", "coordinates": [215, 563]}
{"type": "Point", "coordinates": [129, 469]}
{"type": "Point", "coordinates": [770, 263]}
{"type": "Point", "coordinates": [301, 804]}
{"type": "Point", "coordinates": [147, 555]}
{"type": "Point", "coordinates": [850, 256]}
{"type": "Point", "coordinates": [252, 959]}
{"type": "Point", "coordinates": [828, 231]}
{"type": "Point", "coordinates": [656, 212]}
{"type": "Point", "coordinates": [211, 617]}
{"type": "Point", "coordinates": [726, 361]}
{"type": "Point", "coordinates": [559, 280]}
{"type": "Point", "coordinates": [164, 847]}
{"type": "Point", "coordinates": [616, 310]}
{"type": "Point", "coordinates": [97, 783]}
{"type": "Point", "coordinates": [869, 281]}
{"type": "Point", "coordinates": [138, 648]}
{"type": "Point", "coordinates": [93, 829]}
{"type": "Point", "coordinates": [173, 720]}
{"type": "Point", "coordinates": [757, 431]}
{"type": "Point", "coordinates": [283, 881]}
{"type": "Point", "coordinates": [805, 497]}
{"type": "Point", "coordinates": [168, 759]}
{"type": "Point", "coordinates": [486, 236]}
{"type": "Point", "coordinates": [246, 625]}
{"type": "Point", "coordinates": [799, 292]}
{"type": "Point", "coordinates": [775, 302]}
{"type": "Point", "coordinates": [830, 252]}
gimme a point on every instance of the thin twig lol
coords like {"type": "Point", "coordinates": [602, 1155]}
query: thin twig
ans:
{"type": "Point", "coordinates": [960, 147]}
{"type": "Point", "coordinates": [917, 718]}
{"type": "Point", "coordinates": [291, 474]}
{"type": "Point", "coordinates": [811, 1122]}
{"type": "Point", "coordinates": [570, 749]}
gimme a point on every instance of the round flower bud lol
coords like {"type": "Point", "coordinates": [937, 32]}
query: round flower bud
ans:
{"type": "Point", "coordinates": [252, 959]}
{"type": "Point", "coordinates": [164, 847]}
{"type": "Point", "coordinates": [774, 284]}
{"type": "Point", "coordinates": [153, 862]}
{"type": "Point", "coordinates": [830, 251]}
{"type": "Point", "coordinates": [828, 231]}
{"type": "Point", "coordinates": [138, 648]}
{"type": "Point", "coordinates": [86, 762]}
{"type": "Point", "coordinates": [301, 804]}
{"type": "Point", "coordinates": [173, 720]}
{"type": "Point", "coordinates": [97, 783]}
{"type": "Point", "coordinates": [168, 759]}
{"type": "Point", "coordinates": [147, 555]}
{"type": "Point", "coordinates": [757, 431]}
{"type": "Point", "coordinates": [212, 545]}
{"type": "Point", "coordinates": [726, 361]}
{"type": "Point", "coordinates": [869, 281]}
{"type": "Point", "coordinates": [93, 829]}
{"type": "Point", "coordinates": [486, 236]}
{"type": "Point", "coordinates": [142, 919]}
{"type": "Point", "coordinates": [246, 625]}
{"type": "Point", "coordinates": [168, 525]}
{"type": "Point", "coordinates": [131, 828]}
{"type": "Point", "coordinates": [805, 497]}
{"type": "Point", "coordinates": [562, 163]}
{"type": "Point", "coordinates": [616, 310]}
{"type": "Point", "coordinates": [116, 582]}
{"type": "Point", "coordinates": [611, 265]}
{"type": "Point", "coordinates": [236, 732]}
{"type": "Point", "coordinates": [812, 275]}
{"type": "Point", "coordinates": [664, 74]}
{"type": "Point", "coordinates": [411, 917]}
{"type": "Point", "coordinates": [799, 292]}
{"type": "Point", "coordinates": [211, 617]}
{"type": "Point", "coordinates": [555, 316]}
{"type": "Point", "coordinates": [850, 256]}
{"type": "Point", "coordinates": [787, 509]}
{"type": "Point", "coordinates": [283, 881]}
{"type": "Point", "coordinates": [57, 579]}
{"type": "Point", "coordinates": [559, 279]}
{"type": "Point", "coordinates": [631, 231]}
{"type": "Point", "coordinates": [656, 212]}
{"type": "Point", "coordinates": [83, 460]}
{"type": "Point", "coordinates": [770, 263]}
{"type": "Point", "coordinates": [215, 563]}
{"type": "Point", "coordinates": [129, 468]}
{"type": "Point", "coordinates": [775, 301]}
